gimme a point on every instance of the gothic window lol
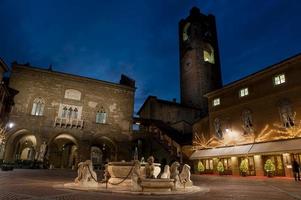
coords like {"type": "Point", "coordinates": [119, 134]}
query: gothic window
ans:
{"type": "Point", "coordinates": [101, 116]}
{"type": "Point", "coordinates": [247, 121]}
{"type": "Point", "coordinates": [286, 114]}
{"type": "Point", "coordinates": [70, 111]}
{"type": "Point", "coordinates": [64, 113]}
{"type": "Point", "coordinates": [218, 128]}
{"type": "Point", "coordinates": [208, 53]}
{"type": "Point", "coordinates": [38, 107]}
{"type": "Point", "coordinates": [75, 113]}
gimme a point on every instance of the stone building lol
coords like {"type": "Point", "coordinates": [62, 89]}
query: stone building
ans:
{"type": "Point", "coordinates": [61, 119]}
{"type": "Point", "coordinates": [255, 118]}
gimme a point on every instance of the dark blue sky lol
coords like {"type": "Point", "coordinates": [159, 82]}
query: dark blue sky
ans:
{"type": "Point", "coordinates": [102, 39]}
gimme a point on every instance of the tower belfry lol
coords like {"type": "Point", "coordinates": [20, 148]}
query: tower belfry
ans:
{"type": "Point", "coordinates": [199, 59]}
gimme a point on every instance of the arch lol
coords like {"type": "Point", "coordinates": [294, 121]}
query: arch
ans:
{"type": "Point", "coordinates": [108, 147]}
{"type": "Point", "coordinates": [63, 151]}
{"type": "Point", "coordinates": [208, 53]}
{"type": "Point", "coordinates": [20, 140]}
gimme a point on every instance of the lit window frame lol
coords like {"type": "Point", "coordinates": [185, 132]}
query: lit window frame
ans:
{"type": "Point", "coordinates": [279, 79]}
{"type": "Point", "coordinates": [243, 92]}
{"type": "Point", "coordinates": [216, 102]}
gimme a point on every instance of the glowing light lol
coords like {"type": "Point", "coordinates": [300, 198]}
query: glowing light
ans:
{"type": "Point", "coordinates": [10, 125]}
{"type": "Point", "coordinates": [227, 130]}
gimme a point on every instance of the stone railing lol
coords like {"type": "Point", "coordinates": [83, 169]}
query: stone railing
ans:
{"type": "Point", "coordinates": [67, 122]}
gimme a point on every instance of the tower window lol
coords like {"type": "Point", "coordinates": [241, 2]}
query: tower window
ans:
{"type": "Point", "coordinates": [216, 102]}
{"type": "Point", "coordinates": [279, 79]}
{"type": "Point", "coordinates": [244, 92]}
{"type": "Point", "coordinates": [208, 53]}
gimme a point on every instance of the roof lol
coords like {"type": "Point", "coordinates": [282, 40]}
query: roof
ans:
{"type": "Point", "coordinates": [162, 101]}
{"type": "Point", "coordinates": [260, 72]}
{"type": "Point", "coordinates": [38, 69]}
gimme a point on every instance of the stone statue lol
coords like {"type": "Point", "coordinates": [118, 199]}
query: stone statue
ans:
{"type": "Point", "coordinates": [42, 151]}
{"type": "Point", "coordinates": [166, 173]}
{"type": "Point", "coordinates": [136, 176]}
{"type": "Point", "coordinates": [150, 168]}
{"type": "Point", "coordinates": [185, 176]}
{"type": "Point", "coordinates": [86, 177]}
{"type": "Point", "coordinates": [174, 174]}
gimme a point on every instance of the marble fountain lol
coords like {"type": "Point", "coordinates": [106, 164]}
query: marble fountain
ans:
{"type": "Point", "coordinates": [135, 178]}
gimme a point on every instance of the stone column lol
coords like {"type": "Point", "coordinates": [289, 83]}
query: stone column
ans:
{"type": "Point", "coordinates": [234, 165]}
{"type": "Point", "coordinates": [84, 151]}
{"type": "Point", "coordinates": [258, 165]}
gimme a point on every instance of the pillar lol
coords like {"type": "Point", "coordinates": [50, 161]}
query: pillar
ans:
{"type": "Point", "coordinates": [84, 151]}
{"type": "Point", "coordinates": [258, 165]}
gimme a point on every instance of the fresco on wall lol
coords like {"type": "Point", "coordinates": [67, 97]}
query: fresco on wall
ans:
{"type": "Point", "coordinates": [272, 132]}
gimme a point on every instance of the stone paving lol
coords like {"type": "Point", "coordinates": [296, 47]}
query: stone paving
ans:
{"type": "Point", "coordinates": [38, 185]}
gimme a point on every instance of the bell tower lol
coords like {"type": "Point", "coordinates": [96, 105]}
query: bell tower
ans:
{"type": "Point", "coordinates": [199, 59]}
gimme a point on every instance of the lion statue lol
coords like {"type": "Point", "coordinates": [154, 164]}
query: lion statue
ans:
{"type": "Point", "coordinates": [185, 176]}
{"type": "Point", "coordinates": [136, 176]}
{"type": "Point", "coordinates": [174, 173]}
{"type": "Point", "coordinates": [86, 177]}
{"type": "Point", "coordinates": [150, 168]}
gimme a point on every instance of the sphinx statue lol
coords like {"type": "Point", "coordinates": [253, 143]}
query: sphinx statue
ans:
{"type": "Point", "coordinates": [166, 172]}
{"type": "Point", "coordinates": [185, 176]}
{"type": "Point", "coordinates": [136, 176]}
{"type": "Point", "coordinates": [150, 168]}
{"type": "Point", "coordinates": [86, 177]}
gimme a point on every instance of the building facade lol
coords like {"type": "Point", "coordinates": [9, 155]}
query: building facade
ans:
{"type": "Point", "coordinates": [255, 118]}
{"type": "Point", "coordinates": [62, 119]}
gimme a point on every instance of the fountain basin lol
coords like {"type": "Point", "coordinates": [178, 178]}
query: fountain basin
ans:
{"type": "Point", "coordinates": [120, 170]}
{"type": "Point", "coordinates": [157, 185]}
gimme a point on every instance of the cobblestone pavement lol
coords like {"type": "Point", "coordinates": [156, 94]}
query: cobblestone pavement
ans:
{"type": "Point", "coordinates": [38, 185]}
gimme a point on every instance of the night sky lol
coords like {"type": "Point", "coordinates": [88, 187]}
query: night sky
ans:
{"type": "Point", "coordinates": [103, 39]}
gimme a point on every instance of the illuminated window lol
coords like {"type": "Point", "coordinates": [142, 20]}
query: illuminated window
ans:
{"type": "Point", "coordinates": [208, 53]}
{"type": "Point", "coordinates": [186, 32]}
{"type": "Point", "coordinates": [287, 115]}
{"type": "Point", "coordinates": [38, 107]}
{"type": "Point", "coordinates": [216, 102]}
{"type": "Point", "coordinates": [244, 92]}
{"type": "Point", "coordinates": [279, 79]}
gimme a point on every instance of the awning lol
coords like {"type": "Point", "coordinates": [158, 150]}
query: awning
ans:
{"type": "Point", "coordinates": [224, 151]}
{"type": "Point", "coordinates": [284, 146]}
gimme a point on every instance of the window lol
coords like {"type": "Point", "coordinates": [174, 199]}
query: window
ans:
{"type": "Point", "coordinates": [279, 79]}
{"type": "Point", "coordinates": [216, 102]}
{"type": "Point", "coordinates": [101, 116]}
{"type": "Point", "coordinates": [38, 107]}
{"type": "Point", "coordinates": [244, 92]}
{"type": "Point", "coordinates": [64, 113]}
{"type": "Point", "coordinates": [208, 53]}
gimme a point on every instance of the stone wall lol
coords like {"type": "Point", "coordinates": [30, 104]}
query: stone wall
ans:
{"type": "Point", "coordinates": [89, 95]}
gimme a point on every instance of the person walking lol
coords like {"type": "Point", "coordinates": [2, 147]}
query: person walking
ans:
{"type": "Point", "coordinates": [296, 170]}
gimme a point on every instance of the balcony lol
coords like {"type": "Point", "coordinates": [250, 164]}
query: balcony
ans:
{"type": "Point", "coordinates": [68, 123]}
